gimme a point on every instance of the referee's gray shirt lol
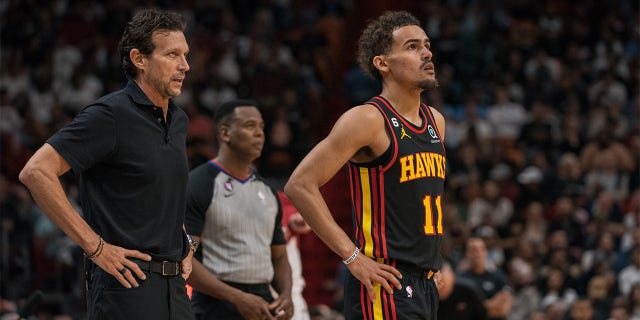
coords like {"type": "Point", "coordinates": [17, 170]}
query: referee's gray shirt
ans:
{"type": "Point", "coordinates": [238, 221]}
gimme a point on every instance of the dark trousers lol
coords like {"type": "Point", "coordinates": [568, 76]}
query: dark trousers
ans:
{"type": "Point", "coordinates": [208, 308]}
{"type": "Point", "coordinates": [156, 298]}
{"type": "Point", "coordinates": [417, 300]}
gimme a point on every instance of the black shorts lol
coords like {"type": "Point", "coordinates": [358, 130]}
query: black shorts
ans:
{"type": "Point", "coordinates": [418, 298]}
{"type": "Point", "coordinates": [156, 298]}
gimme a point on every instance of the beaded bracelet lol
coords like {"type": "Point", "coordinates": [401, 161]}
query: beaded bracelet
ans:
{"type": "Point", "coordinates": [352, 257]}
{"type": "Point", "coordinates": [98, 251]}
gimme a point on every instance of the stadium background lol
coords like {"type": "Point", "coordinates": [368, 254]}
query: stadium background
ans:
{"type": "Point", "coordinates": [541, 100]}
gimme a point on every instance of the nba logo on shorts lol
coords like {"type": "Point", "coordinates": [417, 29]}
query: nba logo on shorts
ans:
{"type": "Point", "coordinates": [409, 292]}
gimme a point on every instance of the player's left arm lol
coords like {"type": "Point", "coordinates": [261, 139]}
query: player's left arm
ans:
{"type": "Point", "coordinates": [440, 122]}
{"type": "Point", "coordinates": [282, 307]}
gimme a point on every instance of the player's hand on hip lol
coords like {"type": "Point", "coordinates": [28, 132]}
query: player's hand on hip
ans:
{"type": "Point", "coordinates": [282, 307]}
{"type": "Point", "coordinates": [113, 260]}
{"type": "Point", "coordinates": [253, 307]}
{"type": "Point", "coordinates": [369, 271]}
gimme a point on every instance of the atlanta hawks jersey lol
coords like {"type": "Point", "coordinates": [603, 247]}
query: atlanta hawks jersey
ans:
{"type": "Point", "coordinates": [397, 198]}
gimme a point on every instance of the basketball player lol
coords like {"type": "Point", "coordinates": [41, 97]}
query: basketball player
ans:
{"type": "Point", "coordinates": [393, 147]}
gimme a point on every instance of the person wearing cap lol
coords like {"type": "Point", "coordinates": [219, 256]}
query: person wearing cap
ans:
{"type": "Point", "coordinates": [531, 181]}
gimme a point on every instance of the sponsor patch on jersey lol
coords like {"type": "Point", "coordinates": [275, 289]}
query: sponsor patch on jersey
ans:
{"type": "Point", "coordinates": [433, 134]}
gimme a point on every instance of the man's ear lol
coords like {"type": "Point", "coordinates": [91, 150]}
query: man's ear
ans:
{"type": "Point", "coordinates": [380, 63]}
{"type": "Point", "coordinates": [223, 133]}
{"type": "Point", "coordinates": [137, 58]}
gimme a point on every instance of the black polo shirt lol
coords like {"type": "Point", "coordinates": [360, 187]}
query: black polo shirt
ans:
{"type": "Point", "coordinates": [133, 171]}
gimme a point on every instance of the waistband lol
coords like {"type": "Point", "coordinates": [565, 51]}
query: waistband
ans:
{"type": "Point", "coordinates": [249, 287]}
{"type": "Point", "coordinates": [165, 268]}
{"type": "Point", "coordinates": [414, 269]}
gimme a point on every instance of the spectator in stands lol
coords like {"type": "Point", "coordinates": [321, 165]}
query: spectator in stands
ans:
{"type": "Point", "coordinates": [526, 298]}
{"type": "Point", "coordinates": [630, 275]}
{"type": "Point", "coordinates": [460, 298]}
{"type": "Point", "coordinates": [555, 292]}
{"type": "Point", "coordinates": [598, 293]}
{"type": "Point", "coordinates": [494, 284]}
{"type": "Point", "coordinates": [581, 309]}
{"type": "Point", "coordinates": [604, 251]}
{"type": "Point", "coordinates": [492, 208]}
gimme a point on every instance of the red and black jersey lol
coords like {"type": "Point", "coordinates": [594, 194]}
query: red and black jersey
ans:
{"type": "Point", "coordinates": [397, 198]}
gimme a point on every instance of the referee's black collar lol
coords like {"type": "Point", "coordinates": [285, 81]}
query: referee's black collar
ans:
{"type": "Point", "coordinates": [139, 97]}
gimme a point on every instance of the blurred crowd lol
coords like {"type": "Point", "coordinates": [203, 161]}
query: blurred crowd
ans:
{"type": "Point", "coordinates": [542, 101]}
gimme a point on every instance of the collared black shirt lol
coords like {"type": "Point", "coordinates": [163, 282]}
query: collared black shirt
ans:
{"type": "Point", "coordinates": [133, 171]}
{"type": "Point", "coordinates": [466, 301]}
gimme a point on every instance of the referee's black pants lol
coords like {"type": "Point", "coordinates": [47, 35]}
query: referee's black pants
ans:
{"type": "Point", "coordinates": [209, 308]}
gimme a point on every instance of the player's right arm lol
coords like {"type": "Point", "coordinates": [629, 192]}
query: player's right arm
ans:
{"type": "Point", "coordinates": [358, 134]}
{"type": "Point", "coordinates": [41, 176]}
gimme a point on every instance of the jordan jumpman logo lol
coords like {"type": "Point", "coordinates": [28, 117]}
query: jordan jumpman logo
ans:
{"type": "Point", "coordinates": [403, 134]}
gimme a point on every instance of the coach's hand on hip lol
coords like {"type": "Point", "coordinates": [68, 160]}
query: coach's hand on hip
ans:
{"type": "Point", "coordinates": [113, 260]}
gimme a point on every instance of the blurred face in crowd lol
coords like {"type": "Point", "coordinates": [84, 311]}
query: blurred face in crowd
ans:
{"type": "Point", "coordinates": [476, 253]}
{"type": "Point", "coordinates": [619, 313]}
{"type": "Point", "coordinates": [555, 279]}
{"type": "Point", "coordinates": [635, 256]}
{"type": "Point", "coordinates": [581, 310]}
{"type": "Point", "coordinates": [597, 288]}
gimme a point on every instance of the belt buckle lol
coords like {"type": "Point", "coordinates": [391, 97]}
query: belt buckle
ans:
{"type": "Point", "coordinates": [173, 272]}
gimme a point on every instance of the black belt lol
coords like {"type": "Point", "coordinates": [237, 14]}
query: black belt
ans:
{"type": "Point", "coordinates": [249, 287]}
{"type": "Point", "coordinates": [165, 268]}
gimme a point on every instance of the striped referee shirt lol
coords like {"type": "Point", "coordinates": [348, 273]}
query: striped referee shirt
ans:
{"type": "Point", "coordinates": [238, 221]}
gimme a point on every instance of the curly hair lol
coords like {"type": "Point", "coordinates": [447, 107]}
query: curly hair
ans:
{"type": "Point", "coordinates": [377, 37]}
{"type": "Point", "coordinates": [139, 31]}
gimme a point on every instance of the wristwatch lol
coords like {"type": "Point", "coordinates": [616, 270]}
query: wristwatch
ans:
{"type": "Point", "coordinates": [193, 244]}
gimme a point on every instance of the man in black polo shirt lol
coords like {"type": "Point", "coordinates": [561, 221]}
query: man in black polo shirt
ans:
{"type": "Point", "coordinates": [128, 149]}
{"type": "Point", "coordinates": [460, 298]}
{"type": "Point", "coordinates": [492, 282]}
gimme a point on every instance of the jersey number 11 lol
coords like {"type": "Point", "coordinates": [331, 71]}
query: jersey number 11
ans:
{"type": "Point", "coordinates": [430, 228]}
